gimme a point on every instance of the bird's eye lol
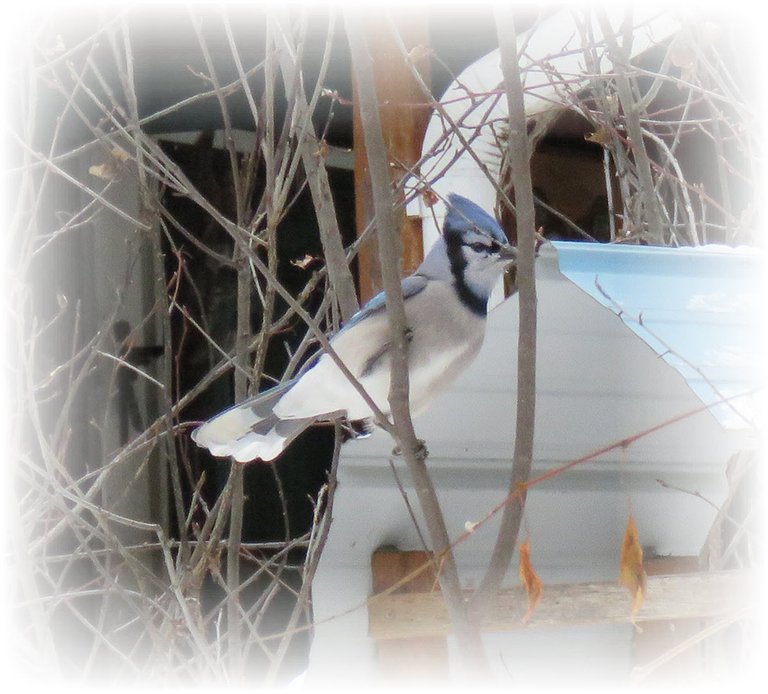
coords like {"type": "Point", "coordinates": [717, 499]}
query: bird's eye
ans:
{"type": "Point", "coordinates": [479, 247]}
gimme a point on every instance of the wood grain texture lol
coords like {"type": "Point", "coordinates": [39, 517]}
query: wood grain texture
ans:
{"type": "Point", "coordinates": [680, 596]}
{"type": "Point", "coordinates": [413, 658]}
{"type": "Point", "coordinates": [404, 117]}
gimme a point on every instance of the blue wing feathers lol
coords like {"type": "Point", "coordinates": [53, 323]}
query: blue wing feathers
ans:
{"type": "Point", "coordinates": [410, 285]}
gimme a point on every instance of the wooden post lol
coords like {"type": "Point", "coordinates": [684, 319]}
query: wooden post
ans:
{"type": "Point", "coordinates": [404, 118]}
{"type": "Point", "coordinates": [660, 635]}
{"type": "Point", "coordinates": [416, 658]}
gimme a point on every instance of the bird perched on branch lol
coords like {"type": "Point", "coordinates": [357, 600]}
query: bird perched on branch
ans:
{"type": "Point", "coordinates": [446, 302]}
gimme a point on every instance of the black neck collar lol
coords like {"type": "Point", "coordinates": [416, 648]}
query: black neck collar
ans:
{"type": "Point", "coordinates": [475, 303]}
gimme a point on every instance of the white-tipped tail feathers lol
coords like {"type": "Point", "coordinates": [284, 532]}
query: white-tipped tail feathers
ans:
{"type": "Point", "coordinates": [251, 430]}
{"type": "Point", "coordinates": [241, 433]}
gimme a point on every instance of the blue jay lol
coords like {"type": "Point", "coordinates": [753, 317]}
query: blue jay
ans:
{"type": "Point", "coordinates": [446, 302]}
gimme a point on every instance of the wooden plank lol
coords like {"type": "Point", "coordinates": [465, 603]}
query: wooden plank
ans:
{"type": "Point", "coordinates": [404, 114]}
{"type": "Point", "coordinates": [390, 565]}
{"type": "Point", "coordinates": [662, 635]}
{"type": "Point", "coordinates": [682, 596]}
{"type": "Point", "coordinates": [413, 658]}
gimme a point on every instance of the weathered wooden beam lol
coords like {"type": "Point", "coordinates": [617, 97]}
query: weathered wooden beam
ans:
{"type": "Point", "coordinates": [413, 658]}
{"type": "Point", "coordinates": [404, 117]}
{"type": "Point", "coordinates": [682, 596]}
{"type": "Point", "coordinates": [662, 636]}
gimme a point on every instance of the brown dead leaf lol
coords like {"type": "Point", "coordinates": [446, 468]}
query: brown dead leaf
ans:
{"type": "Point", "coordinates": [303, 263]}
{"type": "Point", "coordinates": [109, 169]}
{"type": "Point", "coordinates": [601, 136]}
{"type": "Point", "coordinates": [631, 572]}
{"type": "Point", "coordinates": [323, 150]}
{"type": "Point", "coordinates": [105, 171]}
{"type": "Point", "coordinates": [530, 580]}
{"type": "Point", "coordinates": [429, 197]}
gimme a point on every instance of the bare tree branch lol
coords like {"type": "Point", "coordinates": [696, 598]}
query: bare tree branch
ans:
{"type": "Point", "coordinates": [314, 165]}
{"type": "Point", "coordinates": [518, 163]}
{"type": "Point", "coordinates": [412, 449]}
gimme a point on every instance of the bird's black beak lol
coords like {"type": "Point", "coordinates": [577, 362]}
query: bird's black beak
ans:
{"type": "Point", "coordinates": [508, 253]}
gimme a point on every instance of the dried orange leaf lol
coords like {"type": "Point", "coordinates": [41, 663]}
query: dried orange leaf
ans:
{"type": "Point", "coordinates": [531, 582]}
{"type": "Point", "coordinates": [631, 572]}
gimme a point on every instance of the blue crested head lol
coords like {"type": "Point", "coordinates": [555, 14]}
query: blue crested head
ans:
{"type": "Point", "coordinates": [465, 218]}
{"type": "Point", "coordinates": [471, 254]}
